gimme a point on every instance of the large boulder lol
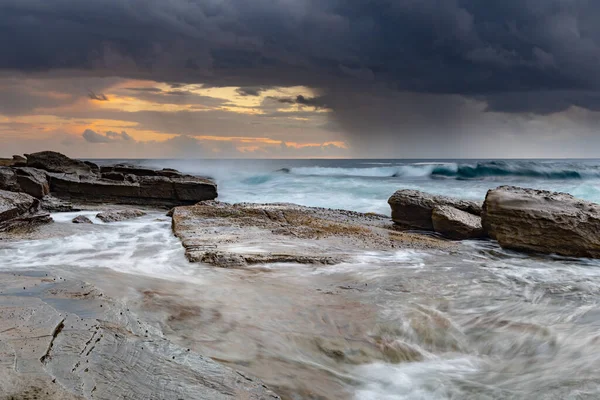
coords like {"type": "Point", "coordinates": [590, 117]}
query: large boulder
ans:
{"type": "Point", "coordinates": [8, 180]}
{"type": "Point", "coordinates": [18, 209]}
{"type": "Point", "coordinates": [413, 208]}
{"type": "Point", "coordinates": [542, 221]}
{"type": "Point", "coordinates": [456, 224]}
{"type": "Point", "coordinates": [52, 161]}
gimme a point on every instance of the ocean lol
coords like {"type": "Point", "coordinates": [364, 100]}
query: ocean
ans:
{"type": "Point", "coordinates": [474, 323]}
{"type": "Point", "coordinates": [365, 185]}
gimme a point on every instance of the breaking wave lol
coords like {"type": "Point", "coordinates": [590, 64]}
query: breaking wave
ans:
{"type": "Point", "coordinates": [479, 170]}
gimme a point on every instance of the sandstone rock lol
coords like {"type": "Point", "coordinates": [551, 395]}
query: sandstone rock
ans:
{"type": "Point", "coordinates": [94, 167]}
{"type": "Point", "coordinates": [20, 209]}
{"type": "Point", "coordinates": [32, 181]}
{"type": "Point", "coordinates": [542, 221]}
{"type": "Point", "coordinates": [52, 161]}
{"type": "Point", "coordinates": [119, 215]}
{"type": "Point", "coordinates": [113, 176]}
{"type": "Point", "coordinates": [413, 208]}
{"type": "Point", "coordinates": [82, 219]}
{"type": "Point", "coordinates": [239, 235]}
{"type": "Point", "coordinates": [456, 224]}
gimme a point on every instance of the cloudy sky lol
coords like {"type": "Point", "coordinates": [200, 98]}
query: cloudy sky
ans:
{"type": "Point", "coordinates": [300, 78]}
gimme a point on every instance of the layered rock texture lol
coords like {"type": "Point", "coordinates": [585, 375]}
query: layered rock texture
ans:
{"type": "Point", "coordinates": [18, 210]}
{"type": "Point", "coordinates": [542, 221]}
{"type": "Point", "coordinates": [65, 178]}
{"type": "Point", "coordinates": [453, 218]}
{"type": "Point", "coordinates": [64, 340]}
{"type": "Point", "coordinates": [236, 235]}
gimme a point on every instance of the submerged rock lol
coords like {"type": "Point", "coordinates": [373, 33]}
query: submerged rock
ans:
{"type": "Point", "coordinates": [238, 235]}
{"type": "Point", "coordinates": [414, 208]}
{"type": "Point", "coordinates": [542, 221]}
{"type": "Point", "coordinates": [119, 215]}
{"type": "Point", "coordinates": [456, 224]}
{"type": "Point", "coordinates": [20, 209]}
{"type": "Point", "coordinates": [82, 219]}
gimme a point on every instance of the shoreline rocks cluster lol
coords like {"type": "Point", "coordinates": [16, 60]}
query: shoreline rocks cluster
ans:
{"type": "Point", "coordinates": [521, 219]}
{"type": "Point", "coordinates": [49, 181]}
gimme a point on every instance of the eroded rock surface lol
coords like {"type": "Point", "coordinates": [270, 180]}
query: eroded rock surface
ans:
{"type": "Point", "coordinates": [456, 224]}
{"type": "Point", "coordinates": [413, 208]}
{"type": "Point", "coordinates": [119, 215]}
{"type": "Point", "coordinates": [235, 235]}
{"type": "Point", "coordinates": [64, 340]}
{"type": "Point", "coordinates": [20, 210]}
{"type": "Point", "coordinates": [542, 221]}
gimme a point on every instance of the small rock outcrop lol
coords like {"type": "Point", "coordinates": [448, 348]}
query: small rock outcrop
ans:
{"type": "Point", "coordinates": [413, 208]}
{"type": "Point", "coordinates": [20, 209]}
{"type": "Point", "coordinates": [119, 215]}
{"type": "Point", "coordinates": [542, 221]}
{"type": "Point", "coordinates": [82, 219]}
{"type": "Point", "coordinates": [456, 224]}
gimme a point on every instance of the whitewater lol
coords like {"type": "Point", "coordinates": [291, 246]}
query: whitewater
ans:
{"type": "Point", "coordinates": [477, 322]}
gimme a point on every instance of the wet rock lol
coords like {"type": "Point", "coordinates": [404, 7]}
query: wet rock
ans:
{"type": "Point", "coordinates": [239, 235]}
{"type": "Point", "coordinates": [32, 181]}
{"type": "Point", "coordinates": [456, 224]}
{"type": "Point", "coordinates": [43, 344]}
{"type": "Point", "coordinates": [52, 161]}
{"type": "Point", "coordinates": [413, 208]}
{"type": "Point", "coordinates": [542, 221]}
{"type": "Point", "coordinates": [113, 176]}
{"type": "Point", "coordinates": [82, 219]}
{"type": "Point", "coordinates": [93, 166]}
{"type": "Point", "coordinates": [20, 209]}
{"type": "Point", "coordinates": [8, 180]}
{"type": "Point", "coordinates": [53, 204]}
{"type": "Point", "coordinates": [119, 215]}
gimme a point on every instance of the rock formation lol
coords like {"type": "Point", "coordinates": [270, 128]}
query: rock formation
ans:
{"type": "Point", "coordinates": [236, 235]}
{"type": "Point", "coordinates": [542, 221]}
{"type": "Point", "coordinates": [82, 181]}
{"type": "Point", "coordinates": [456, 224]}
{"type": "Point", "coordinates": [20, 210]}
{"type": "Point", "coordinates": [413, 208]}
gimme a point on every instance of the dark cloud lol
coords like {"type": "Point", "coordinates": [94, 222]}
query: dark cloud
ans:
{"type": "Point", "coordinates": [98, 97]}
{"type": "Point", "coordinates": [512, 56]}
{"type": "Point", "coordinates": [316, 102]}
{"type": "Point", "coordinates": [251, 91]}
{"type": "Point", "coordinates": [146, 89]}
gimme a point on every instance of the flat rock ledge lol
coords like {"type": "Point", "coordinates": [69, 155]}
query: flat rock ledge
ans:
{"type": "Point", "coordinates": [50, 173]}
{"type": "Point", "coordinates": [237, 235]}
{"type": "Point", "coordinates": [64, 340]}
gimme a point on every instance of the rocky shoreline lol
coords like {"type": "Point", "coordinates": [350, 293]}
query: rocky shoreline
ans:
{"type": "Point", "coordinates": [77, 347]}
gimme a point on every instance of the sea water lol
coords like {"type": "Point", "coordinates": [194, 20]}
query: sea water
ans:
{"type": "Point", "coordinates": [478, 322]}
{"type": "Point", "coordinates": [365, 185]}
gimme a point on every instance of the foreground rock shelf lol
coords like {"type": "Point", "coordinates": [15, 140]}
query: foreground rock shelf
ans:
{"type": "Point", "coordinates": [65, 340]}
{"type": "Point", "coordinates": [235, 235]}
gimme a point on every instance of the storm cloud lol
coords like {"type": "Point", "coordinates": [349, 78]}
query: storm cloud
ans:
{"type": "Point", "coordinates": [385, 67]}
